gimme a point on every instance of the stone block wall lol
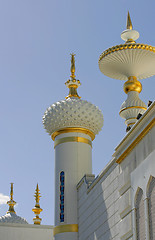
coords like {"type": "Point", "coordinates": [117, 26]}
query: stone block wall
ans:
{"type": "Point", "coordinates": [98, 205]}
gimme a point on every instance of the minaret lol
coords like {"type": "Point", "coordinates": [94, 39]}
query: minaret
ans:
{"type": "Point", "coordinates": [11, 202]}
{"type": "Point", "coordinates": [72, 124]}
{"type": "Point", "coordinates": [130, 61]}
{"type": "Point", "coordinates": [37, 210]}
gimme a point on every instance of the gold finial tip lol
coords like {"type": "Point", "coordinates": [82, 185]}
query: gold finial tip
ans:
{"type": "Point", "coordinates": [37, 208]}
{"type": "Point", "coordinates": [72, 54]}
{"type": "Point", "coordinates": [11, 202]}
{"type": "Point", "coordinates": [129, 23]}
{"type": "Point", "coordinates": [73, 83]}
{"type": "Point", "coordinates": [11, 192]}
{"type": "Point", "coordinates": [72, 66]}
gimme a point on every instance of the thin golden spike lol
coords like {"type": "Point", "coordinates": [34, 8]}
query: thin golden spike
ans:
{"type": "Point", "coordinates": [72, 66]}
{"type": "Point", "coordinates": [129, 23]}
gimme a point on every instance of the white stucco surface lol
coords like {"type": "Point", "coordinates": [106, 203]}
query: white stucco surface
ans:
{"type": "Point", "coordinates": [98, 206]}
{"type": "Point", "coordinates": [13, 231]}
{"type": "Point", "coordinates": [106, 206]}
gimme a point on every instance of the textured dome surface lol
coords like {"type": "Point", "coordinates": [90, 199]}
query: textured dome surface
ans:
{"type": "Point", "coordinates": [73, 112]}
{"type": "Point", "coordinates": [12, 218]}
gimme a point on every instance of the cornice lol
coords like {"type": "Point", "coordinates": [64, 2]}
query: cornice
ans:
{"type": "Point", "coordinates": [134, 136]}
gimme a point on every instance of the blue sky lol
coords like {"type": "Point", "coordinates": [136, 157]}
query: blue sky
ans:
{"type": "Point", "coordinates": [36, 40]}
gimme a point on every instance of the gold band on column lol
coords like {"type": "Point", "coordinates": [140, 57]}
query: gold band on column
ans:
{"type": "Point", "coordinates": [73, 129]}
{"type": "Point", "coordinates": [65, 228]}
{"type": "Point", "coordinates": [72, 139]}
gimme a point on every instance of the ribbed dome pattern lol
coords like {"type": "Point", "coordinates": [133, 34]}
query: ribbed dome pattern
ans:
{"type": "Point", "coordinates": [133, 100]}
{"type": "Point", "coordinates": [73, 112]}
{"type": "Point", "coordinates": [12, 218]}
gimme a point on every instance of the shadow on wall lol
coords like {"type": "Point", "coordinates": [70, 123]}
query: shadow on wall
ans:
{"type": "Point", "coordinates": [98, 207]}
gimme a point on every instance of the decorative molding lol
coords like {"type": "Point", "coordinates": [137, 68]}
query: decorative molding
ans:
{"type": "Point", "coordinates": [136, 141]}
{"type": "Point", "coordinates": [126, 46]}
{"type": "Point", "coordinates": [65, 228]}
{"type": "Point", "coordinates": [125, 212]}
{"type": "Point", "coordinates": [72, 139]}
{"type": "Point", "coordinates": [73, 129]}
{"type": "Point", "coordinates": [136, 127]}
{"type": "Point", "coordinates": [123, 109]}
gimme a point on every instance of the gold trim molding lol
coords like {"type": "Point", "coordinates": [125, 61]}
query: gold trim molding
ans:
{"type": "Point", "coordinates": [136, 141]}
{"type": "Point", "coordinates": [73, 129]}
{"type": "Point", "coordinates": [72, 139]}
{"type": "Point", "coordinates": [123, 109]}
{"type": "Point", "coordinates": [126, 46]}
{"type": "Point", "coordinates": [65, 228]}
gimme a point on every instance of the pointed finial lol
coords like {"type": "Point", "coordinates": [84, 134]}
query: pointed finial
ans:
{"type": "Point", "coordinates": [11, 192]}
{"type": "Point", "coordinates": [129, 35]}
{"type": "Point", "coordinates": [129, 23]}
{"type": "Point", "coordinates": [37, 210]}
{"type": "Point", "coordinates": [73, 83]}
{"type": "Point", "coordinates": [37, 194]}
{"type": "Point", "coordinates": [72, 66]}
{"type": "Point", "coordinates": [11, 203]}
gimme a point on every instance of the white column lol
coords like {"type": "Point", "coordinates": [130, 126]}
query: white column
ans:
{"type": "Point", "coordinates": [146, 218]}
{"type": "Point", "coordinates": [73, 155]}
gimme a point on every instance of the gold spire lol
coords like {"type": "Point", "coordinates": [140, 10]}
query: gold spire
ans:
{"type": "Point", "coordinates": [129, 23]}
{"type": "Point", "coordinates": [37, 195]}
{"type": "Point", "coordinates": [72, 83]}
{"type": "Point", "coordinates": [72, 66]}
{"type": "Point", "coordinates": [37, 210]}
{"type": "Point", "coordinates": [11, 203]}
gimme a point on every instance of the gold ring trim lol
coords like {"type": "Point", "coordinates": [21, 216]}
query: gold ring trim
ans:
{"type": "Point", "coordinates": [65, 228]}
{"type": "Point", "coordinates": [131, 124]}
{"type": "Point", "coordinates": [73, 129]}
{"type": "Point", "coordinates": [126, 46]}
{"type": "Point", "coordinates": [132, 107]}
{"type": "Point", "coordinates": [72, 139]}
{"type": "Point", "coordinates": [136, 141]}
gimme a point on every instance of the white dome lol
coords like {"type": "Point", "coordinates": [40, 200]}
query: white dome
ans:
{"type": "Point", "coordinates": [73, 112]}
{"type": "Point", "coordinates": [12, 218]}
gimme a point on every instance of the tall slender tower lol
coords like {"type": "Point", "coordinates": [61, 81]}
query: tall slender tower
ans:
{"type": "Point", "coordinates": [130, 61]}
{"type": "Point", "coordinates": [72, 124]}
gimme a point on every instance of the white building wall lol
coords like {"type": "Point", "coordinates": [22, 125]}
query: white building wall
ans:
{"type": "Point", "coordinates": [12, 231]}
{"type": "Point", "coordinates": [106, 207]}
{"type": "Point", "coordinates": [137, 146]}
{"type": "Point", "coordinates": [98, 206]}
{"type": "Point", "coordinates": [140, 178]}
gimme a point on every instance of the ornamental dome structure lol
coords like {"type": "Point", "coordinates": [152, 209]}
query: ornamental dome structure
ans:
{"type": "Point", "coordinates": [11, 216]}
{"type": "Point", "coordinates": [73, 112]}
{"type": "Point", "coordinates": [130, 61]}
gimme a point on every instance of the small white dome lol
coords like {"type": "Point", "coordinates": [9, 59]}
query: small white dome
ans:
{"type": "Point", "coordinates": [73, 112]}
{"type": "Point", "coordinates": [12, 218]}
